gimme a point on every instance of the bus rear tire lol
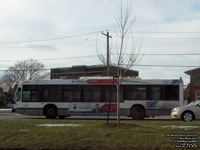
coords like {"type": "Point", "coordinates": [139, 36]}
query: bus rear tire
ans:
{"type": "Point", "coordinates": [61, 117]}
{"type": "Point", "coordinates": [50, 112]}
{"type": "Point", "coordinates": [137, 113]}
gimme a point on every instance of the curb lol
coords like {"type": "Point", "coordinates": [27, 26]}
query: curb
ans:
{"type": "Point", "coordinates": [5, 110]}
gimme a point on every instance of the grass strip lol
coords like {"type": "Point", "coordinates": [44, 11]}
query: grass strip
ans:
{"type": "Point", "coordinates": [93, 135]}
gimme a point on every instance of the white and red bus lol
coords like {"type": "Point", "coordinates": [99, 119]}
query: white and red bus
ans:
{"type": "Point", "coordinates": [93, 96]}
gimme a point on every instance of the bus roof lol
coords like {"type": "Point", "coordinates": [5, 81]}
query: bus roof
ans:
{"type": "Point", "coordinates": [100, 81]}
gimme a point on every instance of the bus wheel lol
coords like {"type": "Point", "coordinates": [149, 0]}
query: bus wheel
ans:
{"type": "Point", "coordinates": [50, 112]}
{"type": "Point", "coordinates": [137, 113]}
{"type": "Point", "coordinates": [61, 117]}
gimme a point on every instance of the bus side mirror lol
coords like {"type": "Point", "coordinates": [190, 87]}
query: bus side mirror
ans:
{"type": "Point", "coordinates": [13, 102]}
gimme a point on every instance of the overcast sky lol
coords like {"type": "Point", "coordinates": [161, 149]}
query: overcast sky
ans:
{"type": "Point", "coordinates": [51, 29]}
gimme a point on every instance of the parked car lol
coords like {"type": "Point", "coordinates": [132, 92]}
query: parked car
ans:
{"type": "Point", "coordinates": [188, 112]}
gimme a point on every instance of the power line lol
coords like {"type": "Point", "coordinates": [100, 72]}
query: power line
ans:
{"type": "Point", "coordinates": [194, 54]}
{"type": "Point", "coordinates": [87, 56]}
{"type": "Point", "coordinates": [160, 38]}
{"type": "Point", "coordinates": [165, 32]}
{"type": "Point", "coordinates": [45, 69]}
{"type": "Point", "coordinates": [42, 46]}
{"type": "Point", "coordinates": [159, 54]}
{"type": "Point", "coordinates": [169, 32]}
{"type": "Point", "coordinates": [50, 39]}
{"type": "Point", "coordinates": [29, 30]}
{"type": "Point", "coordinates": [163, 66]}
{"type": "Point", "coordinates": [46, 59]}
{"type": "Point", "coordinates": [72, 36]}
{"type": "Point", "coordinates": [66, 37]}
{"type": "Point", "coordinates": [162, 32]}
{"type": "Point", "coordinates": [168, 66]}
{"type": "Point", "coordinates": [169, 54]}
{"type": "Point", "coordinates": [169, 38]}
{"type": "Point", "coordinates": [75, 57]}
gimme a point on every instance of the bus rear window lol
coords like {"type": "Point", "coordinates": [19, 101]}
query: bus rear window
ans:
{"type": "Point", "coordinates": [18, 95]}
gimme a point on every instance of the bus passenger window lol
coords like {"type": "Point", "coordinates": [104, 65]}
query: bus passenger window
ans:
{"type": "Point", "coordinates": [72, 94]}
{"type": "Point", "coordinates": [35, 96]}
{"type": "Point", "coordinates": [51, 93]}
{"type": "Point", "coordinates": [156, 93]}
{"type": "Point", "coordinates": [26, 96]}
{"type": "Point", "coordinates": [111, 94]}
{"type": "Point", "coordinates": [46, 96]}
{"type": "Point", "coordinates": [135, 93]}
{"type": "Point", "coordinates": [172, 92]}
{"type": "Point", "coordinates": [31, 96]}
{"type": "Point", "coordinates": [91, 94]}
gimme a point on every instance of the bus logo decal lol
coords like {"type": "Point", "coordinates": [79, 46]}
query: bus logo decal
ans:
{"type": "Point", "coordinates": [151, 105]}
{"type": "Point", "coordinates": [74, 106]}
{"type": "Point", "coordinates": [175, 82]}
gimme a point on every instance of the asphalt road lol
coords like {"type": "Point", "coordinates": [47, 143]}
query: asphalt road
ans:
{"type": "Point", "coordinates": [8, 115]}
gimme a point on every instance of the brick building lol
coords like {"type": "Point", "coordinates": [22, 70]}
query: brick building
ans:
{"type": "Point", "coordinates": [76, 72]}
{"type": "Point", "coordinates": [193, 88]}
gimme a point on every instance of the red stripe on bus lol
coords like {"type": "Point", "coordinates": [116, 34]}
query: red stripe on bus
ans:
{"type": "Point", "coordinates": [102, 81]}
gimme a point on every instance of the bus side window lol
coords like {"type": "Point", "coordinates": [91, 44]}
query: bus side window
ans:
{"type": "Point", "coordinates": [26, 96]}
{"type": "Point", "coordinates": [111, 94]}
{"type": "Point", "coordinates": [46, 95]}
{"type": "Point", "coordinates": [156, 93]}
{"type": "Point", "coordinates": [135, 92]}
{"type": "Point", "coordinates": [91, 93]}
{"type": "Point", "coordinates": [35, 96]}
{"type": "Point", "coordinates": [171, 92]}
{"type": "Point", "coordinates": [31, 96]}
{"type": "Point", "coordinates": [72, 93]}
{"type": "Point", "coordinates": [31, 93]}
{"type": "Point", "coordinates": [51, 93]}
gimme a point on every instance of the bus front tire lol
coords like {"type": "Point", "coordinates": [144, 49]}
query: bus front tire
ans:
{"type": "Point", "coordinates": [61, 117]}
{"type": "Point", "coordinates": [137, 113]}
{"type": "Point", "coordinates": [50, 112]}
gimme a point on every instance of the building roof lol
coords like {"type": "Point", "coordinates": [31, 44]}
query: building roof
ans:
{"type": "Point", "coordinates": [84, 68]}
{"type": "Point", "coordinates": [193, 71]}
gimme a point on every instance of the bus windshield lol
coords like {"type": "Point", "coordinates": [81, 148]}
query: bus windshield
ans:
{"type": "Point", "coordinates": [17, 95]}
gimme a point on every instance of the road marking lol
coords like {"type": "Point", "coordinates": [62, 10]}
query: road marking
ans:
{"type": "Point", "coordinates": [60, 125]}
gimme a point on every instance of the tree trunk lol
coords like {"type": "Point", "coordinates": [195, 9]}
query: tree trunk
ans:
{"type": "Point", "coordinates": [118, 104]}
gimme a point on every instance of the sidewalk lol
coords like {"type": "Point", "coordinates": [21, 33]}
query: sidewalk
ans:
{"type": "Point", "coordinates": [5, 110]}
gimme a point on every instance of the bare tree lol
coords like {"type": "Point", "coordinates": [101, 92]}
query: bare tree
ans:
{"type": "Point", "coordinates": [126, 51]}
{"type": "Point", "coordinates": [24, 70]}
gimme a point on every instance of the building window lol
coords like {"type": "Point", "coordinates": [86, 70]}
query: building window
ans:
{"type": "Point", "coordinates": [197, 95]}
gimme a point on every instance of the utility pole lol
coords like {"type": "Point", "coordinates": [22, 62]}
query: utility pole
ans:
{"type": "Point", "coordinates": [108, 52]}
